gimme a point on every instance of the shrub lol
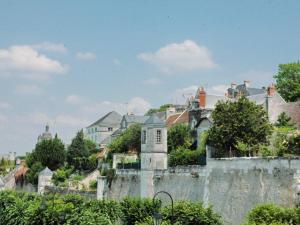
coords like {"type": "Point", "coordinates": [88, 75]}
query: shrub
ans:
{"type": "Point", "coordinates": [270, 214]}
{"type": "Point", "coordinates": [93, 184]}
{"type": "Point", "coordinates": [183, 156]}
{"type": "Point", "coordinates": [136, 209]}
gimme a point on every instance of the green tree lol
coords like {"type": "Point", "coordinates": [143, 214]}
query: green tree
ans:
{"type": "Point", "coordinates": [50, 153]}
{"type": "Point", "coordinates": [79, 153]}
{"type": "Point", "coordinates": [284, 120]}
{"type": "Point", "coordinates": [32, 174]}
{"type": "Point", "coordinates": [288, 81]}
{"type": "Point", "coordinates": [234, 121]}
{"type": "Point", "coordinates": [179, 135]}
{"type": "Point", "coordinates": [130, 139]}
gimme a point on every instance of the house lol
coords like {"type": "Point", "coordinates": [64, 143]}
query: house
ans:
{"type": "Point", "coordinates": [100, 131]}
{"type": "Point", "coordinates": [128, 120]}
{"type": "Point", "coordinates": [178, 118]}
{"type": "Point", "coordinates": [202, 105]}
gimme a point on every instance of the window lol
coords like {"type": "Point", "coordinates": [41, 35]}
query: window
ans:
{"type": "Point", "coordinates": [110, 129]}
{"type": "Point", "coordinates": [158, 136]}
{"type": "Point", "coordinates": [144, 137]}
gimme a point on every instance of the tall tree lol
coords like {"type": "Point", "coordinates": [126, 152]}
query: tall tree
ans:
{"type": "Point", "coordinates": [179, 135]}
{"type": "Point", "coordinates": [235, 122]}
{"type": "Point", "coordinates": [50, 153]}
{"type": "Point", "coordinates": [288, 81]}
{"type": "Point", "coordinates": [78, 152]}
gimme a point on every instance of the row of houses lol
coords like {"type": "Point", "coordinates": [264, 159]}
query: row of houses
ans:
{"type": "Point", "coordinates": [196, 112]}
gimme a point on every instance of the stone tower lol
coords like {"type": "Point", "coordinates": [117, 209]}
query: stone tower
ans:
{"type": "Point", "coordinates": [154, 153]}
{"type": "Point", "coordinates": [44, 179]}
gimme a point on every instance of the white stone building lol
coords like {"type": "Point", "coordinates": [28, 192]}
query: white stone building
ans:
{"type": "Point", "coordinates": [100, 131]}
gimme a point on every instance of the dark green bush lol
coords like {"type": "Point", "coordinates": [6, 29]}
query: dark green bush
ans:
{"type": "Point", "coordinates": [183, 156]}
{"type": "Point", "coordinates": [270, 214]}
{"type": "Point", "coordinates": [136, 209]}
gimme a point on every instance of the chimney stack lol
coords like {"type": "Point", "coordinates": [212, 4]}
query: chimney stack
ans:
{"type": "Point", "coordinates": [233, 85]}
{"type": "Point", "coordinates": [271, 90]}
{"type": "Point", "coordinates": [247, 83]}
{"type": "Point", "coordinates": [202, 98]}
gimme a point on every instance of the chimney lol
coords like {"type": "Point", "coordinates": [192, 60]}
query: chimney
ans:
{"type": "Point", "coordinates": [271, 90]}
{"type": "Point", "coordinates": [247, 83]}
{"type": "Point", "coordinates": [233, 85]}
{"type": "Point", "coordinates": [202, 98]}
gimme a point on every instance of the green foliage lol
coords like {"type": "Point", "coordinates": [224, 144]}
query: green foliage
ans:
{"type": "Point", "coordinates": [240, 120]}
{"type": "Point", "coordinates": [162, 108]}
{"type": "Point", "coordinates": [61, 175]}
{"type": "Point", "coordinates": [280, 144]}
{"type": "Point", "coordinates": [203, 141]}
{"type": "Point", "coordinates": [32, 174]}
{"type": "Point", "coordinates": [33, 209]}
{"type": "Point", "coordinates": [264, 150]}
{"type": "Point", "coordinates": [79, 154]}
{"type": "Point", "coordinates": [284, 120]}
{"type": "Point", "coordinates": [50, 153]}
{"type": "Point", "coordinates": [293, 144]}
{"type": "Point", "coordinates": [130, 139]}
{"type": "Point", "coordinates": [93, 184]}
{"type": "Point", "coordinates": [183, 156]}
{"type": "Point", "coordinates": [187, 213]}
{"type": "Point", "coordinates": [136, 209]}
{"type": "Point", "coordinates": [273, 214]}
{"type": "Point", "coordinates": [179, 135]}
{"type": "Point", "coordinates": [288, 81]}
{"type": "Point", "coordinates": [91, 146]}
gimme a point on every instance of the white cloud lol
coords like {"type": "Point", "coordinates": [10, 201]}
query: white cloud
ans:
{"type": "Point", "coordinates": [136, 105]}
{"type": "Point", "coordinates": [50, 47]}
{"type": "Point", "coordinates": [185, 56]}
{"type": "Point", "coordinates": [152, 81]}
{"type": "Point", "coordinates": [5, 105]}
{"type": "Point", "coordinates": [86, 55]}
{"type": "Point", "coordinates": [26, 59]}
{"type": "Point", "coordinates": [28, 90]}
{"type": "Point", "coordinates": [75, 99]}
{"type": "Point", "coordinates": [39, 118]}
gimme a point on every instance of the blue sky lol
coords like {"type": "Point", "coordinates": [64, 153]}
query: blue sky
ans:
{"type": "Point", "coordinates": [67, 63]}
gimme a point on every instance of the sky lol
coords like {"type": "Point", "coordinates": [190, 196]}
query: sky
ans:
{"type": "Point", "coordinates": [67, 63]}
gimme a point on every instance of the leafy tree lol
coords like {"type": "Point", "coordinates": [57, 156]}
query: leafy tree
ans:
{"type": "Point", "coordinates": [32, 174]}
{"type": "Point", "coordinates": [91, 146]}
{"type": "Point", "coordinates": [179, 135]}
{"type": "Point", "coordinates": [162, 108]}
{"type": "Point", "coordinates": [284, 120]}
{"type": "Point", "coordinates": [288, 81]}
{"type": "Point", "coordinates": [79, 154]}
{"type": "Point", "coordinates": [130, 139]}
{"type": "Point", "coordinates": [50, 153]}
{"type": "Point", "coordinates": [234, 121]}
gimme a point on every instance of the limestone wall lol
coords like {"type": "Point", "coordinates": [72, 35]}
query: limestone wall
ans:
{"type": "Point", "coordinates": [233, 186]}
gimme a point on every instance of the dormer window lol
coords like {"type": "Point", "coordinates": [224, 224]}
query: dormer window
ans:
{"type": "Point", "coordinates": [144, 137]}
{"type": "Point", "coordinates": [158, 136]}
{"type": "Point", "coordinates": [110, 129]}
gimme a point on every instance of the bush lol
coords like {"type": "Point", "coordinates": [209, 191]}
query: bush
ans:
{"type": "Point", "coordinates": [183, 156]}
{"type": "Point", "coordinates": [272, 214]}
{"type": "Point", "coordinates": [93, 184]}
{"type": "Point", "coordinates": [293, 144]}
{"type": "Point", "coordinates": [136, 209]}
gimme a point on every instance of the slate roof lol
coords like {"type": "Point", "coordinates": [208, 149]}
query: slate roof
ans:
{"type": "Point", "coordinates": [111, 119]}
{"type": "Point", "coordinates": [136, 119]}
{"type": "Point", "coordinates": [154, 120]}
{"type": "Point", "coordinates": [46, 172]}
{"type": "Point", "coordinates": [247, 91]}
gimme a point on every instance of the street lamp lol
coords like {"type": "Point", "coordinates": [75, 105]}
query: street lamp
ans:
{"type": "Point", "coordinates": [157, 217]}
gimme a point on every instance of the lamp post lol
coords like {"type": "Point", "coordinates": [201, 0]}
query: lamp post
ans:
{"type": "Point", "coordinates": [157, 217]}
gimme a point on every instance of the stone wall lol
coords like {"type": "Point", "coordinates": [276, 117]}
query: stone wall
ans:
{"type": "Point", "coordinates": [233, 186]}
